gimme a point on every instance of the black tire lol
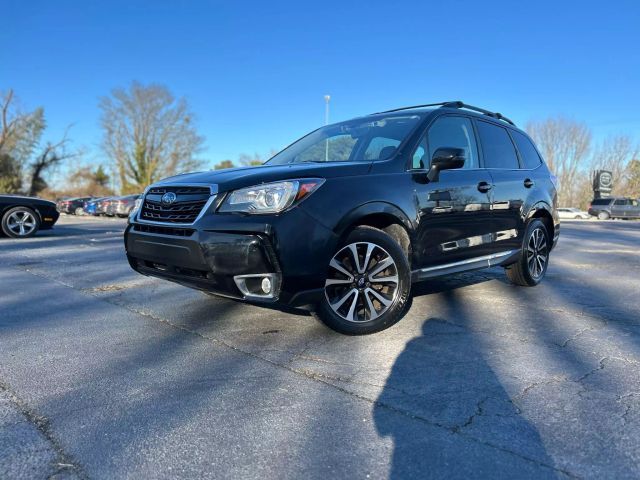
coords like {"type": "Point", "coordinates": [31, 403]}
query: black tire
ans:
{"type": "Point", "coordinates": [577, 217]}
{"type": "Point", "coordinates": [526, 272]}
{"type": "Point", "coordinates": [394, 285]}
{"type": "Point", "coordinates": [603, 216]}
{"type": "Point", "coordinates": [29, 228]}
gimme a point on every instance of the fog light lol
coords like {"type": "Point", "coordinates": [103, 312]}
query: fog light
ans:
{"type": "Point", "coordinates": [266, 285]}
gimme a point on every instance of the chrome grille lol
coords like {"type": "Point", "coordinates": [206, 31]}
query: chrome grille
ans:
{"type": "Point", "coordinates": [188, 204]}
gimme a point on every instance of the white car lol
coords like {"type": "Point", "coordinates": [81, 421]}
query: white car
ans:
{"type": "Point", "coordinates": [573, 213]}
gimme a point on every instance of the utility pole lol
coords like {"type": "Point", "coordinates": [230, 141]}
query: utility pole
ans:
{"type": "Point", "coordinates": [326, 122]}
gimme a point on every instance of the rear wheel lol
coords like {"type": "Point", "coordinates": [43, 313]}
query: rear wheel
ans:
{"type": "Point", "coordinates": [20, 222]}
{"type": "Point", "coordinates": [79, 211]}
{"type": "Point", "coordinates": [368, 284]}
{"type": "Point", "coordinates": [603, 216]}
{"type": "Point", "coordinates": [531, 267]}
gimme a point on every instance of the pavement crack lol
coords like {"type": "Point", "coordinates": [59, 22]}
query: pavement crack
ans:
{"type": "Point", "coordinates": [477, 413]}
{"type": "Point", "coordinates": [64, 463]}
{"type": "Point", "coordinates": [594, 370]}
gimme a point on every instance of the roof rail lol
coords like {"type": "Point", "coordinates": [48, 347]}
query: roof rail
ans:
{"type": "Point", "coordinates": [439, 104]}
{"type": "Point", "coordinates": [459, 104]}
{"type": "Point", "coordinates": [455, 104]}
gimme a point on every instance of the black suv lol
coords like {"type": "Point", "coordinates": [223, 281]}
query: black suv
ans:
{"type": "Point", "coordinates": [348, 217]}
{"type": "Point", "coordinates": [614, 207]}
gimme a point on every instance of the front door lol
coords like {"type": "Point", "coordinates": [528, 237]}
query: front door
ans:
{"type": "Point", "coordinates": [454, 212]}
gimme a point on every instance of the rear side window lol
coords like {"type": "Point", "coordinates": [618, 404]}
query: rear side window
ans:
{"type": "Point", "coordinates": [528, 153]}
{"type": "Point", "coordinates": [621, 201]}
{"type": "Point", "coordinates": [497, 147]}
{"type": "Point", "coordinates": [601, 201]}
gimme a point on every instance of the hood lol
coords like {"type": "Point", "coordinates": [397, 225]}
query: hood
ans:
{"type": "Point", "coordinates": [32, 200]}
{"type": "Point", "coordinates": [234, 178]}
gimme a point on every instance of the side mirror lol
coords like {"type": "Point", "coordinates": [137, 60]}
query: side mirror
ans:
{"type": "Point", "coordinates": [445, 158]}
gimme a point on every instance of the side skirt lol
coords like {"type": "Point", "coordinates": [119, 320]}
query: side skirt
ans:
{"type": "Point", "coordinates": [485, 261]}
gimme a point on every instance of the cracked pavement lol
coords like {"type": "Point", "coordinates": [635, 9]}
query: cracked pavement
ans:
{"type": "Point", "coordinates": [108, 374]}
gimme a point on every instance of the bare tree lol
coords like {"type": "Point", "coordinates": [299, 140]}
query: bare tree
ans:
{"type": "Point", "coordinates": [19, 136]}
{"type": "Point", "coordinates": [565, 146]}
{"type": "Point", "coordinates": [632, 179]}
{"type": "Point", "coordinates": [614, 154]}
{"type": "Point", "coordinates": [51, 155]}
{"type": "Point", "coordinates": [149, 134]}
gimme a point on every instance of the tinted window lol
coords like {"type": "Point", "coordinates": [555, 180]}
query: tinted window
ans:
{"type": "Point", "coordinates": [448, 131]}
{"type": "Point", "coordinates": [621, 201]}
{"type": "Point", "coordinates": [601, 201]}
{"type": "Point", "coordinates": [497, 146]}
{"type": "Point", "coordinates": [381, 148]}
{"type": "Point", "coordinates": [528, 153]}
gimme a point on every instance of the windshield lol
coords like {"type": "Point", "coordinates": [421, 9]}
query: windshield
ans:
{"type": "Point", "coordinates": [355, 140]}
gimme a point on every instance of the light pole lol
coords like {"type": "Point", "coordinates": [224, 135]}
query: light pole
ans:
{"type": "Point", "coordinates": [326, 122]}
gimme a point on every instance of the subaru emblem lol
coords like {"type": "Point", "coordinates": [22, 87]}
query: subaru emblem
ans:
{"type": "Point", "coordinates": [168, 198]}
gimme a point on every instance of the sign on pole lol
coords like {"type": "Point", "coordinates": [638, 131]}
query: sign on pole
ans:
{"type": "Point", "coordinates": [602, 183]}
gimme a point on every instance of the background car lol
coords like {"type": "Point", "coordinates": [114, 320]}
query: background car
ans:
{"type": "Point", "coordinates": [574, 213]}
{"type": "Point", "coordinates": [614, 207]}
{"type": "Point", "coordinates": [101, 206]}
{"type": "Point", "coordinates": [74, 206]}
{"type": "Point", "coordinates": [91, 206]}
{"type": "Point", "coordinates": [122, 206]}
{"type": "Point", "coordinates": [22, 217]}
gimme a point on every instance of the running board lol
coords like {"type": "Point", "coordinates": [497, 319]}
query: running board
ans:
{"type": "Point", "coordinates": [476, 263]}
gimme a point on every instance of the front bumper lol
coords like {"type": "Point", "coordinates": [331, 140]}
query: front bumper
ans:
{"type": "Point", "coordinates": [211, 254]}
{"type": "Point", "coordinates": [48, 218]}
{"type": "Point", "coordinates": [204, 260]}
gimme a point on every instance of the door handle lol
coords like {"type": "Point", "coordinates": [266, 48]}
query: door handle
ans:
{"type": "Point", "coordinates": [484, 187]}
{"type": "Point", "coordinates": [528, 183]}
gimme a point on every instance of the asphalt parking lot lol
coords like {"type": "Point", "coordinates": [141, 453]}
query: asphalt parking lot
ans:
{"type": "Point", "coordinates": [108, 374]}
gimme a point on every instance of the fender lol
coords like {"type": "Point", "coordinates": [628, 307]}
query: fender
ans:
{"type": "Point", "coordinates": [373, 208]}
{"type": "Point", "coordinates": [542, 205]}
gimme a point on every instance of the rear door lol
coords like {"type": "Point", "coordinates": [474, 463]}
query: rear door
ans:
{"type": "Point", "coordinates": [619, 208]}
{"type": "Point", "coordinates": [511, 185]}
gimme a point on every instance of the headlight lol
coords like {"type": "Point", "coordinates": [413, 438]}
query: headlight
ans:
{"type": "Point", "coordinates": [269, 197]}
{"type": "Point", "coordinates": [136, 207]}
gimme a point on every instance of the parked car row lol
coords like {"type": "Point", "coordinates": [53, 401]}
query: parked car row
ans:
{"type": "Point", "coordinates": [96, 206]}
{"type": "Point", "coordinates": [604, 209]}
{"type": "Point", "coordinates": [72, 206]}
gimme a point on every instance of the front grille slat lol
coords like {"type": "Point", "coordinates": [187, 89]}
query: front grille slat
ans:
{"type": "Point", "coordinates": [188, 205]}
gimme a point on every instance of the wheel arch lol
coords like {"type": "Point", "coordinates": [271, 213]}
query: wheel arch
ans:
{"type": "Point", "coordinates": [544, 212]}
{"type": "Point", "coordinates": [383, 216]}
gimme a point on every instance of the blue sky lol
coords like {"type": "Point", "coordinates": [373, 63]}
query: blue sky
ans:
{"type": "Point", "coordinates": [255, 72]}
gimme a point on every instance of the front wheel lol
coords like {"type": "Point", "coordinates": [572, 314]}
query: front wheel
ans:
{"type": "Point", "coordinates": [368, 284]}
{"type": "Point", "coordinates": [531, 267]}
{"type": "Point", "coordinates": [20, 222]}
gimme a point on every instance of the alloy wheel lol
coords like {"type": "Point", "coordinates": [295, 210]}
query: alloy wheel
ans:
{"type": "Point", "coordinates": [362, 283]}
{"type": "Point", "coordinates": [537, 253]}
{"type": "Point", "coordinates": [21, 223]}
